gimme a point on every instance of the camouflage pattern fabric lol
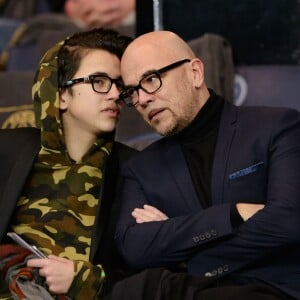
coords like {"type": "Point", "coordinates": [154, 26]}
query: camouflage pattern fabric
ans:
{"type": "Point", "coordinates": [58, 205]}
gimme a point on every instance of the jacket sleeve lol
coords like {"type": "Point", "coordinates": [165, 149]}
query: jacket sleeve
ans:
{"type": "Point", "coordinates": [165, 243]}
{"type": "Point", "coordinates": [274, 228]}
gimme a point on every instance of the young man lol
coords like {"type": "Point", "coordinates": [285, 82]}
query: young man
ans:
{"type": "Point", "coordinates": [58, 183]}
{"type": "Point", "coordinates": [219, 195]}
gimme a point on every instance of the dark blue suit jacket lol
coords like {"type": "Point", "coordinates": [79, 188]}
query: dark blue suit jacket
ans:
{"type": "Point", "coordinates": [257, 160]}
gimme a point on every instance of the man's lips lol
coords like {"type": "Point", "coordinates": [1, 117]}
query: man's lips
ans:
{"type": "Point", "coordinates": [154, 112]}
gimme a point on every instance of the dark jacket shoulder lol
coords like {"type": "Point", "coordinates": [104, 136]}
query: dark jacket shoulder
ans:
{"type": "Point", "coordinates": [18, 144]}
{"type": "Point", "coordinates": [123, 152]}
{"type": "Point", "coordinates": [12, 139]}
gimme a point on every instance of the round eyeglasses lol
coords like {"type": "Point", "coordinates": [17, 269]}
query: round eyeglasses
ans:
{"type": "Point", "coordinates": [150, 83]}
{"type": "Point", "coordinates": [100, 83]}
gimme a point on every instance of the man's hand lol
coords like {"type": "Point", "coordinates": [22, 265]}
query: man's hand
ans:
{"type": "Point", "coordinates": [247, 210]}
{"type": "Point", "coordinates": [147, 214]}
{"type": "Point", "coordinates": [59, 272]}
{"type": "Point", "coordinates": [95, 13]}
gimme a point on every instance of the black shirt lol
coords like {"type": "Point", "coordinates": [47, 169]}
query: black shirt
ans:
{"type": "Point", "coordinates": [198, 142]}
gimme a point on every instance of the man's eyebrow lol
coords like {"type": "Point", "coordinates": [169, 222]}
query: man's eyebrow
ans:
{"type": "Point", "coordinates": [145, 74]}
{"type": "Point", "coordinates": [149, 72]}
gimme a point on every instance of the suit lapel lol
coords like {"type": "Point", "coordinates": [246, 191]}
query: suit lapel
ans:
{"type": "Point", "coordinates": [225, 137]}
{"type": "Point", "coordinates": [179, 169]}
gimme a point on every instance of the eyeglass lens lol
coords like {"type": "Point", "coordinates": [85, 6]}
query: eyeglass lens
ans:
{"type": "Point", "coordinates": [102, 84]}
{"type": "Point", "coordinates": [149, 84]}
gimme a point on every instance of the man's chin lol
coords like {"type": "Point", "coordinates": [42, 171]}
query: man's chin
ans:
{"type": "Point", "coordinates": [165, 130]}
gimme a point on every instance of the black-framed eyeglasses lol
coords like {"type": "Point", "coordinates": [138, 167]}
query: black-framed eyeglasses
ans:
{"type": "Point", "coordinates": [150, 83]}
{"type": "Point", "coordinates": [100, 83]}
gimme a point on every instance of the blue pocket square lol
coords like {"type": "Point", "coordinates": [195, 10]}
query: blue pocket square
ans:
{"type": "Point", "coordinates": [246, 171]}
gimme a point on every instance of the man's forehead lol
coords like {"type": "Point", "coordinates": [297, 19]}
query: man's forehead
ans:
{"type": "Point", "coordinates": [134, 67]}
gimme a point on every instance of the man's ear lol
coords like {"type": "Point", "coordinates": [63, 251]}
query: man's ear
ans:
{"type": "Point", "coordinates": [64, 98]}
{"type": "Point", "coordinates": [198, 72]}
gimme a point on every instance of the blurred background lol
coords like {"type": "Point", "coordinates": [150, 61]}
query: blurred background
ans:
{"type": "Point", "coordinates": [250, 48]}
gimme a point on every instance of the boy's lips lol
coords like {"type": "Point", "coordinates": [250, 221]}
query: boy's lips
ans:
{"type": "Point", "coordinates": [114, 111]}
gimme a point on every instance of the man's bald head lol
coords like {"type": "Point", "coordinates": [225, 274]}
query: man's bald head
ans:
{"type": "Point", "coordinates": [159, 46]}
{"type": "Point", "coordinates": [171, 44]}
{"type": "Point", "coordinates": [165, 81]}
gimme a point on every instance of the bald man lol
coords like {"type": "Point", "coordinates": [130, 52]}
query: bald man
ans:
{"type": "Point", "coordinates": [219, 195]}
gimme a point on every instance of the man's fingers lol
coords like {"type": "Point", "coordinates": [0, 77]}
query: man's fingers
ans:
{"type": "Point", "coordinates": [148, 214]}
{"type": "Point", "coordinates": [142, 214]}
{"type": "Point", "coordinates": [155, 211]}
{"type": "Point", "coordinates": [247, 210]}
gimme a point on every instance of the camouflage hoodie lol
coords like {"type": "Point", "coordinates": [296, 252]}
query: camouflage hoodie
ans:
{"type": "Point", "coordinates": [58, 205]}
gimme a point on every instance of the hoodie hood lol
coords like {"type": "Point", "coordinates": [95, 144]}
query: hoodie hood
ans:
{"type": "Point", "coordinates": [45, 93]}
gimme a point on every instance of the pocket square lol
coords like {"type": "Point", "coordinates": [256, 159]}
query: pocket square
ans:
{"type": "Point", "coordinates": [246, 171]}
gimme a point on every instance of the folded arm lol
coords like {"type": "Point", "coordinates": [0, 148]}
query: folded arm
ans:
{"type": "Point", "coordinates": [200, 237]}
{"type": "Point", "coordinates": [167, 241]}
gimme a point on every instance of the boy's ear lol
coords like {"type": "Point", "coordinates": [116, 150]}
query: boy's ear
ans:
{"type": "Point", "coordinates": [64, 96]}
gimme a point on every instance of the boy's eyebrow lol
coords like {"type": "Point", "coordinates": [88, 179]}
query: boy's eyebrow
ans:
{"type": "Point", "coordinates": [106, 74]}
{"type": "Point", "coordinates": [99, 73]}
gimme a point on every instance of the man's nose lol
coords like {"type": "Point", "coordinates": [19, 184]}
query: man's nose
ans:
{"type": "Point", "coordinates": [144, 98]}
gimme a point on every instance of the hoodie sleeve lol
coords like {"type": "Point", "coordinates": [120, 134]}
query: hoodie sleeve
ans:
{"type": "Point", "coordinates": [88, 281]}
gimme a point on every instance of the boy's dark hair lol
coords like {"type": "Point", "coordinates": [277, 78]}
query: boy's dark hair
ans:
{"type": "Point", "coordinates": [80, 43]}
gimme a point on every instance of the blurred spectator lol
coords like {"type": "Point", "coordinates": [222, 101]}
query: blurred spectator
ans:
{"type": "Point", "coordinates": [85, 13]}
{"type": "Point", "coordinates": [73, 15]}
{"type": "Point", "coordinates": [23, 9]}
{"type": "Point", "coordinates": [109, 13]}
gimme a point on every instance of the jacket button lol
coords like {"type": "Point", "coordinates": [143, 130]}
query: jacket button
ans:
{"type": "Point", "coordinates": [202, 237]}
{"type": "Point", "coordinates": [208, 235]}
{"type": "Point", "coordinates": [196, 239]}
{"type": "Point", "coordinates": [213, 232]}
